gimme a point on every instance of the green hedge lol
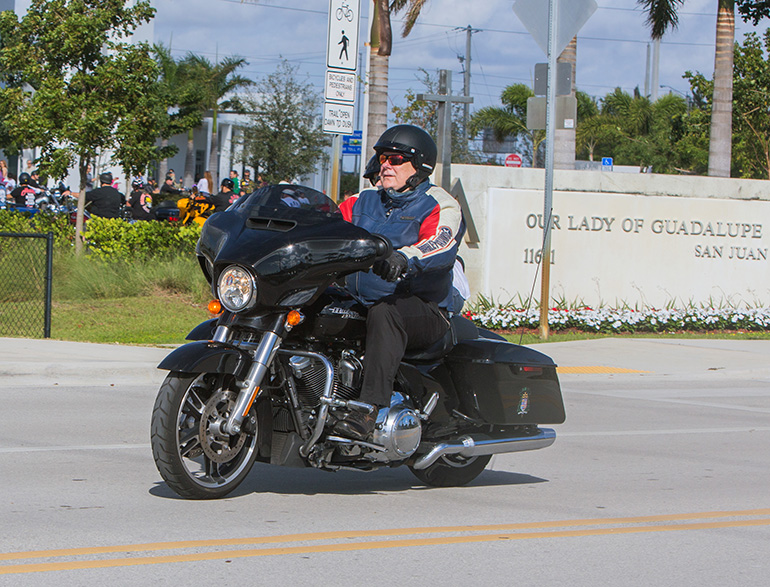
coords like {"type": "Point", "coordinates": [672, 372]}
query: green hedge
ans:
{"type": "Point", "coordinates": [110, 238]}
{"type": "Point", "coordinates": [42, 222]}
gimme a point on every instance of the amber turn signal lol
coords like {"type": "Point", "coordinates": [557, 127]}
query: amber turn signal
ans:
{"type": "Point", "coordinates": [215, 307]}
{"type": "Point", "coordinates": [294, 318]}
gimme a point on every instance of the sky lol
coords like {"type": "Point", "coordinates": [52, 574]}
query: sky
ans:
{"type": "Point", "coordinates": [612, 46]}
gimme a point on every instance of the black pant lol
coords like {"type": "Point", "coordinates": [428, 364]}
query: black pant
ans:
{"type": "Point", "coordinates": [393, 325]}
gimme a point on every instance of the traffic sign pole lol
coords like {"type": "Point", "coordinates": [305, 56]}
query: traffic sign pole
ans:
{"type": "Point", "coordinates": [550, 133]}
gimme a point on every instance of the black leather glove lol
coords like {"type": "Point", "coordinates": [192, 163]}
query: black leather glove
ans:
{"type": "Point", "coordinates": [392, 268]}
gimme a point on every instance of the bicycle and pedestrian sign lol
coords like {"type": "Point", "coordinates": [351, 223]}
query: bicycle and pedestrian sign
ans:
{"type": "Point", "coordinates": [342, 42]}
{"type": "Point", "coordinates": [342, 62]}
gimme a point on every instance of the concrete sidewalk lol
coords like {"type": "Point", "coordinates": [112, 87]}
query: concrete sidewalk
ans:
{"type": "Point", "coordinates": [30, 361]}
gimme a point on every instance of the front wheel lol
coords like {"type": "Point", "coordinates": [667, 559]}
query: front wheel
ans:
{"type": "Point", "coordinates": [452, 471]}
{"type": "Point", "coordinates": [193, 455]}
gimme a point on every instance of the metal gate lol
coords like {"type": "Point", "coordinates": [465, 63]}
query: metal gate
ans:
{"type": "Point", "coordinates": [26, 273]}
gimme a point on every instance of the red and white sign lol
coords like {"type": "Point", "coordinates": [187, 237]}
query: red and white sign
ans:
{"type": "Point", "coordinates": [513, 160]}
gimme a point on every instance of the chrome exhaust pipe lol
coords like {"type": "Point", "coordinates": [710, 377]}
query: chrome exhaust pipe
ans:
{"type": "Point", "coordinates": [469, 446]}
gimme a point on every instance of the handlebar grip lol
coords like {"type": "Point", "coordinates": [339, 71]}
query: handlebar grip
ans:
{"type": "Point", "coordinates": [383, 246]}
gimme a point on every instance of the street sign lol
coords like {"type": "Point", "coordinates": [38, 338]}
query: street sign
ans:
{"type": "Point", "coordinates": [338, 119]}
{"type": "Point", "coordinates": [607, 163]}
{"type": "Point", "coordinates": [513, 160]}
{"type": "Point", "coordinates": [342, 39]}
{"type": "Point", "coordinates": [572, 15]}
{"type": "Point", "coordinates": [340, 86]}
{"type": "Point", "coordinates": [351, 144]}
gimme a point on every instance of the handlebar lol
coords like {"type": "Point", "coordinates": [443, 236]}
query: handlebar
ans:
{"type": "Point", "coordinates": [383, 245]}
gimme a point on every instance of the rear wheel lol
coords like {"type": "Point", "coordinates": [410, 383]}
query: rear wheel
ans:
{"type": "Point", "coordinates": [193, 455]}
{"type": "Point", "coordinates": [452, 471]}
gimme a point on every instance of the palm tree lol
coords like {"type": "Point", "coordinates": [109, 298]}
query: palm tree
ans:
{"type": "Point", "coordinates": [381, 44]}
{"type": "Point", "coordinates": [186, 97]}
{"type": "Point", "coordinates": [216, 81]}
{"type": "Point", "coordinates": [662, 15]}
{"type": "Point", "coordinates": [510, 120]}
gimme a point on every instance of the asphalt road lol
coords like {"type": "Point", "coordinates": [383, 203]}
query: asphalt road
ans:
{"type": "Point", "coordinates": [660, 476]}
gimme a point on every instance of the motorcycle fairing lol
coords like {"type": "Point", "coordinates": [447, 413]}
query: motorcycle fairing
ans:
{"type": "Point", "coordinates": [295, 252]}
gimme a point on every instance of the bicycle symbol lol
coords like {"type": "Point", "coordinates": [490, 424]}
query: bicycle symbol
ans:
{"type": "Point", "coordinates": [345, 11]}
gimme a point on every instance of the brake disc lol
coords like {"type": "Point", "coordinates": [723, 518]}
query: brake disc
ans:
{"type": "Point", "coordinates": [216, 444]}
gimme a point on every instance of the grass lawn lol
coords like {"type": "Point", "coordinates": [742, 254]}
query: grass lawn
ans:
{"type": "Point", "coordinates": [134, 320]}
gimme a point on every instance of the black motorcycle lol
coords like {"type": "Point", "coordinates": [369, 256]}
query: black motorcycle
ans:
{"type": "Point", "coordinates": [268, 379]}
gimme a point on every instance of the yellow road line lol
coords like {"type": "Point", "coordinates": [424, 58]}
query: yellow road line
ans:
{"type": "Point", "coordinates": [650, 521]}
{"type": "Point", "coordinates": [597, 369]}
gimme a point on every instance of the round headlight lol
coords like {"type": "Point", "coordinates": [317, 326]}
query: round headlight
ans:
{"type": "Point", "coordinates": [237, 290]}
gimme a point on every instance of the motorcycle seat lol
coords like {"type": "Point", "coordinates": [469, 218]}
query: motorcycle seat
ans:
{"type": "Point", "coordinates": [459, 329]}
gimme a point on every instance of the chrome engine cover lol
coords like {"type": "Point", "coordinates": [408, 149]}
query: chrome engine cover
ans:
{"type": "Point", "coordinates": [398, 430]}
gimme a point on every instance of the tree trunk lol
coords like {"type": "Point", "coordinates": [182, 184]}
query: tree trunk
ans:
{"type": "Point", "coordinates": [214, 155]}
{"type": "Point", "coordinates": [381, 42]}
{"type": "Point", "coordinates": [163, 165]}
{"type": "Point", "coordinates": [79, 220]}
{"type": "Point", "coordinates": [564, 139]}
{"type": "Point", "coordinates": [378, 99]}
{"type": "Point", "coordinates": [189, 161]}
{"type": "Point", "coordinates": [720, 141]}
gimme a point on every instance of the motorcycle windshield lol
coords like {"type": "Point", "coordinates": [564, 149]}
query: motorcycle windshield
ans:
{"type": "Point", "coordinates": [289, 201]}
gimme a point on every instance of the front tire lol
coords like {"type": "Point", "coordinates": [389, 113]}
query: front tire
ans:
{"type": "Point", "coordinates": [452, 471]}
{"type": "Point", "coordinates": [194, 458]}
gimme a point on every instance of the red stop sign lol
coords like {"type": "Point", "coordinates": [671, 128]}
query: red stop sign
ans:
{"type": "Point", "coordinates": [513, 160]}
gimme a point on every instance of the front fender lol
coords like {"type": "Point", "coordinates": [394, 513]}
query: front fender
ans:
{"type": "Point", "coordinates": [206, 356]}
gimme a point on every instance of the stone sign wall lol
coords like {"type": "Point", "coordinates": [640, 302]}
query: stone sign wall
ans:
{"type": "Point", "coordinates": [614, 244]}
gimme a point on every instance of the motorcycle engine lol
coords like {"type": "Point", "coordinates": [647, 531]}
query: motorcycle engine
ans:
{"type": "Point", "coordinates": [398, 430]}
{"type": "Point", "coordinates": [310, 377]}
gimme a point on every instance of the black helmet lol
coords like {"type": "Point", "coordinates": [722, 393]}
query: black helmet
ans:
{"type": "Point", "coordinates": [415, 142]}
{"type": "Point", "coordinates": [227, 183]}
{"type": "Point", "coordinates": [24, 178]}
{"type": "Point", "coordinates": [372, 169]}
{"type": "Point", "coordinates": [105, 178]}
{"type": "Point", "coordinates": [137, 183]}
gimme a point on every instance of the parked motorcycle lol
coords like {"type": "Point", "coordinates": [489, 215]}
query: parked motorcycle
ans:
{"type": "Point", "coordinates": [194, 209]}
{"type": "Point", "coordinates": [268, 379]}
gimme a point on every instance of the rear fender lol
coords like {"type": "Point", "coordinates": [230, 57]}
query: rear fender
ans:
{"type": "Point", "coordinates": [208, 357]}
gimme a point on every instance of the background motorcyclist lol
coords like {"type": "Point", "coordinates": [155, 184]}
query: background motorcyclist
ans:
{"type": "Point", "coordinates": [24, 193]}
{"type": "Point", "coordinates": [168, 186]}
{"type": "Point", "coordinates": [140, 200]}
{"type": "Point", "coordinates": [105, 200]}
{"type": "Point", "coordinates": [410, 291]}
{"type": "Point", "coordinates": [221, 200]}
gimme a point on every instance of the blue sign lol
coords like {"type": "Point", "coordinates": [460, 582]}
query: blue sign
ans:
{"type": "Point", "coordinates": [351, 144]}
{"type": "Point", "coordinates": [606, 161]}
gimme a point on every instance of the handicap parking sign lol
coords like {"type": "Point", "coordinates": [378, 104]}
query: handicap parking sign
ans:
{"type": "Point", "coordinates": [606, 161]}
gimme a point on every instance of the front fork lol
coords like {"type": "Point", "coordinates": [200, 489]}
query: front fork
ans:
{"type": "Point", "coordinates": [262, 357]}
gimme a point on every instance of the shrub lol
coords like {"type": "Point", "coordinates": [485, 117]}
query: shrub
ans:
{"type": "Point", "coordinates": [115, 239]}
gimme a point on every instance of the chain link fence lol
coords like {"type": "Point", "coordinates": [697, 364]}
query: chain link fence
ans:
{"type": "Point", "coordinates": [26, 268]}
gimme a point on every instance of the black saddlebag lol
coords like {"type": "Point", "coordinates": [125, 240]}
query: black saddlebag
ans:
{"type": "Point", "coordinates": [506, 384]}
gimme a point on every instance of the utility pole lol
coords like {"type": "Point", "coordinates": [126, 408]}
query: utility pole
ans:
{"type": "Point", "coordinates": [466, 61]}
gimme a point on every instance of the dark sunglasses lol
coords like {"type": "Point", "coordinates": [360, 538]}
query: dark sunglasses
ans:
{"type": "Point", "coordinates": [395, 159]}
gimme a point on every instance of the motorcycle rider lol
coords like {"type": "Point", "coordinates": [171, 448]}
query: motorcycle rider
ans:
{"type": "Point", "coordinates": [410, 291]}
{"type": "Point", "coordinates": [105, 200]}
{"type": "Point", "coordinates": [25, 193]}
{"type": "Point", "coordinates": [140, 201]}
{"type": "Point", "coordinates": [221, 201]}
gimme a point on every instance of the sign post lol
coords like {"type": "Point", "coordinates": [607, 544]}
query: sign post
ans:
{"type": "Point", "coordinates": [340, 90]}
{"type": "Point", "coordinates": [552, 30]}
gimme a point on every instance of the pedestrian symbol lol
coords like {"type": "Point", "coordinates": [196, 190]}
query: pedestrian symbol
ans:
{"type": "Point", "coordinates": [344, 42]}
